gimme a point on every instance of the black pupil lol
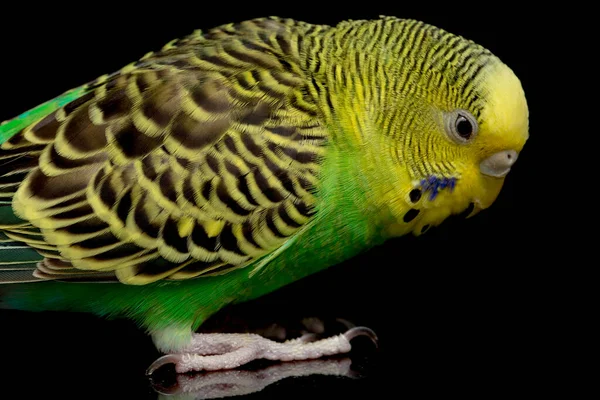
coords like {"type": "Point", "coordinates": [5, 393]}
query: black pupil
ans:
{"type": "Point", "coordinates": [463, 127]}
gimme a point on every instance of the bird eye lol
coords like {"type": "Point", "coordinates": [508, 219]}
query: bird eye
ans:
{"type": "Point", "coordinates": [461, 126]}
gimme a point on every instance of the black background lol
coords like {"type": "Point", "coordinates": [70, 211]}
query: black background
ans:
{"type": "Point", "coordinates": [465, 309]}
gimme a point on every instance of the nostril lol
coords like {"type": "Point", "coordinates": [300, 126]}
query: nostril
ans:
{"type": "Point", "coordinates": [511, 157]}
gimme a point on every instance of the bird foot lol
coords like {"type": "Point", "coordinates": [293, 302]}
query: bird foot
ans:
{"type": "Point", "coordinates": [221, 351]}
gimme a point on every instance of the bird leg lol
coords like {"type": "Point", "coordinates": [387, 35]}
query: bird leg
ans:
{"type": "Point", "coordinates": [220, 351]}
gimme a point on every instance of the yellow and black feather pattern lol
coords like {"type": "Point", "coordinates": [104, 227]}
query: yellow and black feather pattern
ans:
{"type": "Point", "coordinates": [195, 160]}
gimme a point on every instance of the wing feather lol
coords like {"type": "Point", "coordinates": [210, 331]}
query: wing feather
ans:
{"type": "Point", "coordinates": [194, 161]}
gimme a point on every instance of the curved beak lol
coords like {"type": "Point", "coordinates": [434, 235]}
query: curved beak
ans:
{"type": "Point", "coordinates": [498, 164]}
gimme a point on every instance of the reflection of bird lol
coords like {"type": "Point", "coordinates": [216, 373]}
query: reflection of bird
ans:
{"type": "Point", "coordinates": [236, 161]}
{"type": "Point", "coordinates": [219, 384]}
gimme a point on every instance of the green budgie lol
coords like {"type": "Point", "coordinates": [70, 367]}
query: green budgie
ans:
{"type": "Point", "coordinates": [235, 161]}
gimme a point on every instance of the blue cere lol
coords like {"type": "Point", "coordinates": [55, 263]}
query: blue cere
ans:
{"type": "Point", "coordinates": [434, 184]}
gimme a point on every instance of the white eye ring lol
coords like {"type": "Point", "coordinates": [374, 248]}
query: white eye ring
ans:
{"type": "Point", "coordinates": [461, 126]}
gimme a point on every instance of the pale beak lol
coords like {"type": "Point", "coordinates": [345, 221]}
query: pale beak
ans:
{"type": "Point", "coordinates": [498, 165]}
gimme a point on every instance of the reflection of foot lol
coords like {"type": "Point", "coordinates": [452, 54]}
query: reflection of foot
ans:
{"type": "Point", "coordinates": [219, 351]}
{"type": "Point", "coordinates": [212, 385]}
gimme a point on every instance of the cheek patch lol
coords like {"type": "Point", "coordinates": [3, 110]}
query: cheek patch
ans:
{"type": "Point", "coordinates": [434, 184]}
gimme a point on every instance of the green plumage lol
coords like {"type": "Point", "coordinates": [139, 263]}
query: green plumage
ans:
{"type": "Point", "coordinates": [14, 126]}
{"type": "Point", "coordinates": [236, 161]}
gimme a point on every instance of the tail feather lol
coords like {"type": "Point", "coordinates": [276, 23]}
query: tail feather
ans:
{"type": "Point", "coordinates": [15, 253]}
{"type": "Point", "coordinates": [18, 262]}
{"type": "Point", "coordinates": [8, 218]}
{"type": "Point", "coordinates": [19, 266]}
{"type": "Point", "coordinates": [18, 276]}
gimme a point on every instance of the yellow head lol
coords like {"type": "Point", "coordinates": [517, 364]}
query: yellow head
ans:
{"type": "Point", "coordinates": [448, 120]}
{"type": "Point", "coordinates": [472, 120]}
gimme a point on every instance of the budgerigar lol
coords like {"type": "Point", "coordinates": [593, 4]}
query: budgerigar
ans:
{"type": "Point", "coordinates": [235, 161]}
